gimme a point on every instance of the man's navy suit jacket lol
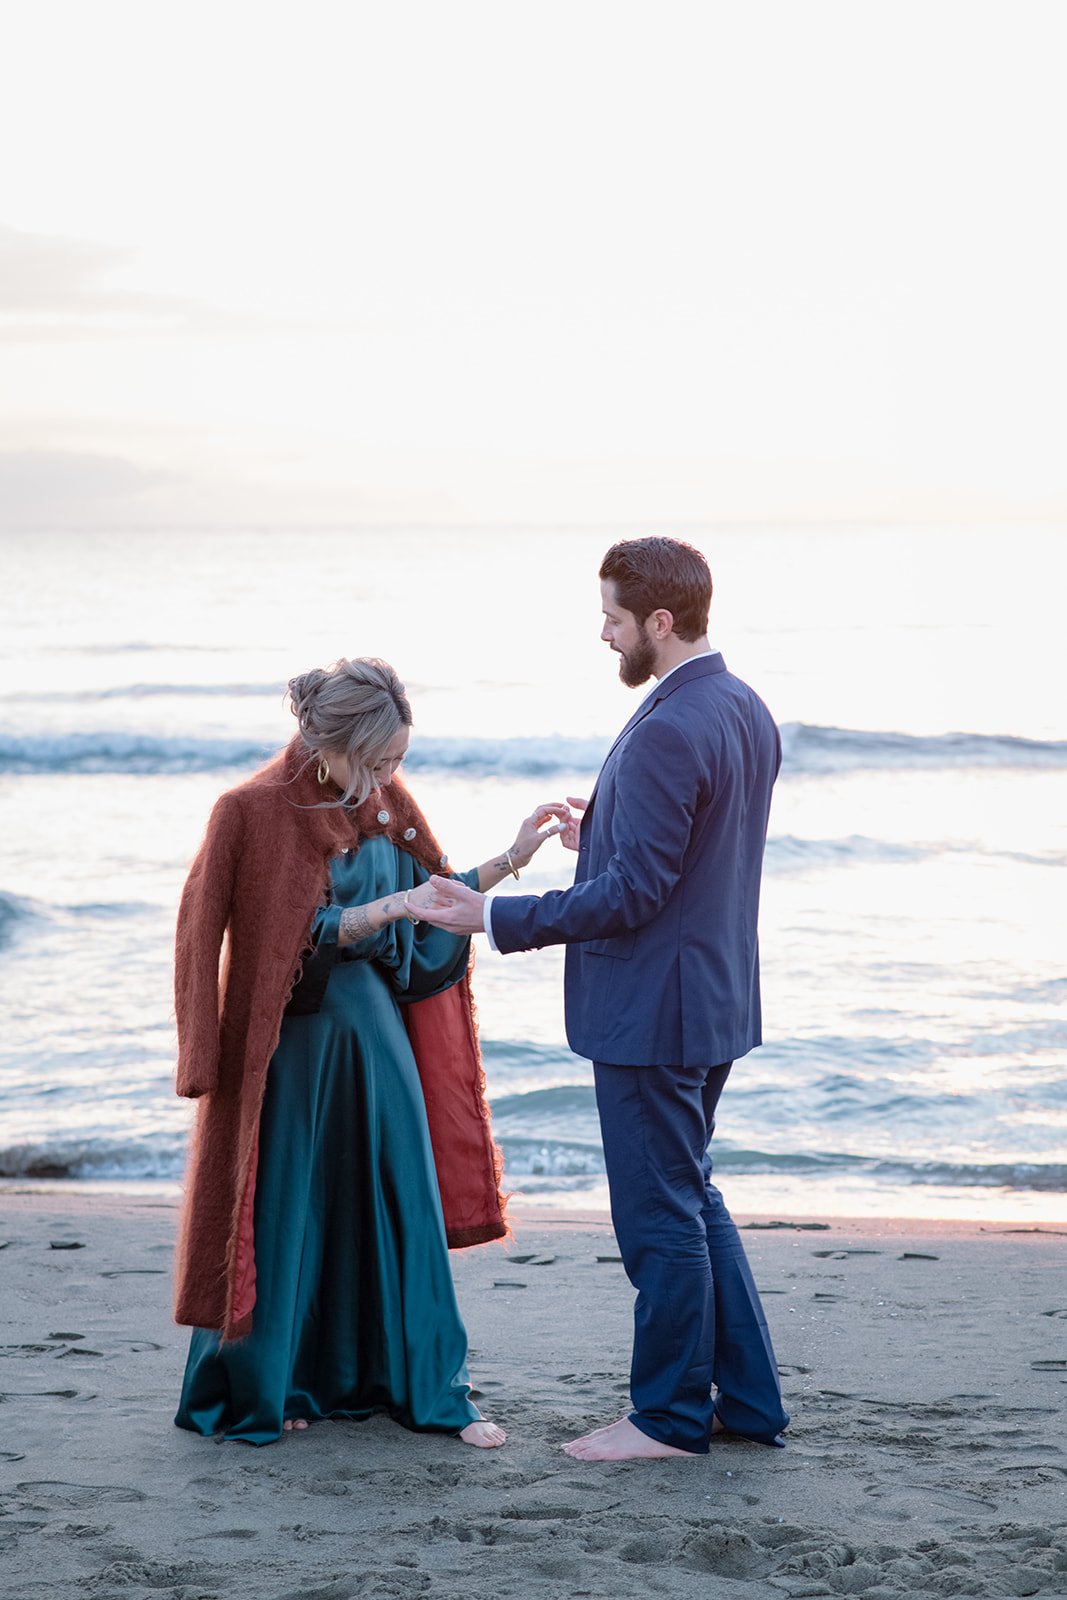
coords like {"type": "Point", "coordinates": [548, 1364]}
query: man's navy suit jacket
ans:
{"type": "Point", "coordinates": [663, 964]}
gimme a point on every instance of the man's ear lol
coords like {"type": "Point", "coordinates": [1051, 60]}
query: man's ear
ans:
{"type": "Point", "coordinates": [662, 624]}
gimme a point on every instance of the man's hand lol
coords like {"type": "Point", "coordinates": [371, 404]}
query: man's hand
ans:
{"type": "Point", "coordinates": [416, 900]}
{"type": "Point", "coordinates": [569, 832]}
{"type": "Point", "coordinates": [454, 906]}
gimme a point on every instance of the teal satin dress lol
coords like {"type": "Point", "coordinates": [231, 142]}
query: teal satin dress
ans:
{"type": "Point", "coordinates": [356, 1310]}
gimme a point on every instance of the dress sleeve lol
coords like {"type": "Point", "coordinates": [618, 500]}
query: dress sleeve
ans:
{"type": "Point", "coordinates": [326, 926]}
{"type": "Point", "coordinates": [430, 959]}
{"type": "Point", "coordinates": [319, 962]}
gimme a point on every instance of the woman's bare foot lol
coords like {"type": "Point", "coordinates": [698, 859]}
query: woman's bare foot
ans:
{"type": "Point", "coordinates": [485, 1435]}
{"type": "Point", "coordinates": [295, 1425]}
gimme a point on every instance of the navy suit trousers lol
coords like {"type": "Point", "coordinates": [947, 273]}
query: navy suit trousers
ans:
{"type": "Point", "coordinates": [698, 1323]}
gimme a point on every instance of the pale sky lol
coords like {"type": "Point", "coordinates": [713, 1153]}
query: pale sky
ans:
{"type": "Point", "coordinates": [576, 261]}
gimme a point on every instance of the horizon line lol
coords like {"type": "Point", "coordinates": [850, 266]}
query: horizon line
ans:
{"type": "Point", "coordinates": [259, 524]}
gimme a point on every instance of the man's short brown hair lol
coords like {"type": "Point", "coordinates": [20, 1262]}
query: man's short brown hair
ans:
{"type": "Point", "coordinates": [659, 574]}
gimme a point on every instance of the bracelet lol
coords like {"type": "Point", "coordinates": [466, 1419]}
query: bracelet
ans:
{"type": "Point", "coordinates": [412, 918]}
{"type": "Point", "coordinates": [512, 868]}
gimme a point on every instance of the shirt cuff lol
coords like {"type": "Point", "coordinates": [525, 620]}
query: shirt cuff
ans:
{"type": "Point", "coordinates": [487, 923]}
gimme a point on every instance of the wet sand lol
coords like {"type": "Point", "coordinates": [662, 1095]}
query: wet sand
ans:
{"type": "Point", "coordinates": [925, 1365]}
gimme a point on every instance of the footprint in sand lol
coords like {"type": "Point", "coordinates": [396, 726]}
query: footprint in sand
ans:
{"type": "Point", "coordinates": [648, 1549]}
{"type": "Point", "coordinates": [797, 1227]}
{"type": "Point", "coordinates": [229, 1533]}
{"type": "Point", "coordinates": [842, 1255]}
{"type": "Point", "coordinates": [540, 1511]}
{"type": "Point", "coordinates": [581, 1485]}
{"type": "Point", "coordinates": [154, 1575]}
{"type": "Point", "coordinates": [727, 1552]}
{"type": "Point", "coordinates": [48, 1394]}
{"type": "Point", "coordinates": [335, 1591]}
{"type": "Point", "coordinates": [1030, 1477]}
{"type": "Point", "coordinates": [585, 1380]}
{"type": "Point", "coordinates": [73, 1495]}
{"type": "Point", "coordinates": [1058, 1232]}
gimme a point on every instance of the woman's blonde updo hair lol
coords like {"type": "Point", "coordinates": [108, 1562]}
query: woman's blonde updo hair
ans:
{"type": "Point", "coordinates": [354, 708]}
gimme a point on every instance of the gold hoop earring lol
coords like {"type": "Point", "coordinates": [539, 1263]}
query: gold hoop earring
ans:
{"type": "Point", "coordinates": [323, 771]}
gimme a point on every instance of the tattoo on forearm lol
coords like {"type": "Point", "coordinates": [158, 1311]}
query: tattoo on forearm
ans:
{"type": "Point", "coordinates": [355, 924]}
{"type": "Point", "coordinates": [502, 867]}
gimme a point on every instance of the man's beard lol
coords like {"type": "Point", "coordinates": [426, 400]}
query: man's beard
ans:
{"type": "Point", "coordinates": [638, 664]}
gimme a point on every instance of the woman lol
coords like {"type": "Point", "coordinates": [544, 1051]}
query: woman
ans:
{"type": "Point", "coordinates": [342, 1139]}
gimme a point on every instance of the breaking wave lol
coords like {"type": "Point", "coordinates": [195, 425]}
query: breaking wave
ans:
{"type": "Point", "coordinates": [807, 749]}
{"type": "Point", "coordinates": [162, 1158]}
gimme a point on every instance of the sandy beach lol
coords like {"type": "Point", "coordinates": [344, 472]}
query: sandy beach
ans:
{"type": "Point", "coordinates": [925, 1365]}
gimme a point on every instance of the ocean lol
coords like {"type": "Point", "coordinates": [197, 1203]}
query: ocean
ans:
{"type": "Point", "coordinates": [913, 917]}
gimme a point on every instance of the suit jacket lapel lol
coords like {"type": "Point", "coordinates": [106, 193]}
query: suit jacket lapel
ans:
{"type": "Point", "coordinates": [692, 669]}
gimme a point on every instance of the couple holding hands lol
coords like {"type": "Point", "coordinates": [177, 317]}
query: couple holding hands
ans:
{"type": "Point", "coordinates": [342, 1142]}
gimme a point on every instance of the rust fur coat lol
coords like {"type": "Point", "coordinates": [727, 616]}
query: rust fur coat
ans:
{"type": "Point", "coordinates": [261, 871]}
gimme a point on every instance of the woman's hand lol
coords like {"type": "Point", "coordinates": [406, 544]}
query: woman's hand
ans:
{"type": "Point", "coordinates": [543, 822]}
{"type": "Point", "coordinates": [419, 898]}
{"type": "Point", "coordinates": [569, 833]}
{"type": "Point", "coordinates": [533, 833]}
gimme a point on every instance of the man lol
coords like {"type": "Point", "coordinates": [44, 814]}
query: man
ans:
{"type": "Point", "coordinates": [662, 993]}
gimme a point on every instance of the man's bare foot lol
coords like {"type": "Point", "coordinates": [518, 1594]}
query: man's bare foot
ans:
{"type": "Point", "coordinates": [295, 1425]}
{"type": "Point", "coordinates": [483, 1435]}
{"type": "Point", "coordinates": [620, 1441]}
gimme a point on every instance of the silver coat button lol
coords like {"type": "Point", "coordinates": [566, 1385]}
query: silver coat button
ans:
{"type": "Point", "coordinates": [409, 834]}
{"type": "Point", "coordinates": [383, 816]}
{"type": "Point", "coordinates": [444, 861]}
